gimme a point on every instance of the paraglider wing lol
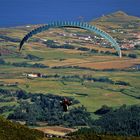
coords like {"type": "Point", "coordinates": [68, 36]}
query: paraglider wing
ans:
{"type": "Point", "coordinates": [81, 25]}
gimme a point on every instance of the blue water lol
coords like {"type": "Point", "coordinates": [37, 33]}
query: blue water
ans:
{"type": "Point", "coordinates": [20, 12]}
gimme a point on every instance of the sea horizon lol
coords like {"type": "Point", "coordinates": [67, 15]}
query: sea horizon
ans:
{"type": "Point", "coordinates": [18, 13]}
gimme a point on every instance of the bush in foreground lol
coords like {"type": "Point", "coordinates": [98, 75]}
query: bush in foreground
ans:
{"type": "Point", "coordinates": [15, 131]}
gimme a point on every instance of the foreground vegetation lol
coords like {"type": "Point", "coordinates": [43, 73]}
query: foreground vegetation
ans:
{"type": "Point", "coordinates": [15, 131]}
{"type": "Point", "coordinates": [90, 134]}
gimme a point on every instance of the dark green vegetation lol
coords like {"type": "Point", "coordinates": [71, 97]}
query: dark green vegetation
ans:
{"type": "Point", "coordinates": [32, 108]}
{"type": "Point", "coordinates": [123, 121]}
{"type": "Point", "coordinates": [15, 131]}
{"type": "Point", "coordinates": [91, 134]}
{"type": "Point", "coordinates": [137, 46]}
{"type": "Point", "coordinates": [10, 39]}
{"type": "Point", "coordinates": [24, 64]}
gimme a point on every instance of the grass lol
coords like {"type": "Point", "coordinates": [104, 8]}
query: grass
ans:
{"type": "Point", "coordinates": [8, 103]}
{"type": "Point", "coordinates": [98, 94]}
{"type": "Point", "coordinates": [92, 95]}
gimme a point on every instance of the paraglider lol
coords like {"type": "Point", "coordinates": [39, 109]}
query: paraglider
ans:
{"type": "Point", "coordinates": [65, 103]}
{"type": "Point", "coordinates": [81, 25]}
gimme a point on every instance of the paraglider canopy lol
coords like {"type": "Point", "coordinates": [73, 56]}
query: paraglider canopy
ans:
{"type": "Point", "coordinates": [81, 25]}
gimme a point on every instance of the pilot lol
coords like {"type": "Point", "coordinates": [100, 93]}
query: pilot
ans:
{"type": "Point", "coordinates": [65, 103]}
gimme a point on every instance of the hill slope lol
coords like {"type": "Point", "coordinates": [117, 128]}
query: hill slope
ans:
{"type": "Point", "coordinates": [118, 16]}
{"type": "Point", "coordinates": [14, 131]}
{"type": "Point", "coordinates": [118, 19]}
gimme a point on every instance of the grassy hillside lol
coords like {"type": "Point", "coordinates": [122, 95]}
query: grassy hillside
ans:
{"type": "Point", "coordinates": [14, 131]}
{"type": "Point", "coordinates": [119, 20]}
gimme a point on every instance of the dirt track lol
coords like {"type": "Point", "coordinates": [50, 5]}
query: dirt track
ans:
{"type": "Point", "coordinates": [56, 130]}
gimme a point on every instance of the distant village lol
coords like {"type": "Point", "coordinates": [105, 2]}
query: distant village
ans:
{"type": "Point", "coordinates": [134, 39]}
{"type": "Point", "coordinates": [129, 44]}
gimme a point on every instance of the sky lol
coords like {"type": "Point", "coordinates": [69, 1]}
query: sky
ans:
{"type": "Point", "coordinates": [20, 12]}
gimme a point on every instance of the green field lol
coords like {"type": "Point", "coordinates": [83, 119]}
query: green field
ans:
{"type": "Point", "coordinates": [91, 94]}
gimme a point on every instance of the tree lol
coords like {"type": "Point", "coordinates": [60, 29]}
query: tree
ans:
{"type": "Point", "coordinates": [49, 43]}
{"type": "Point", "coordinates": [122, 121]}
{"type": "Point", "coordinates": [137, 46]}
{"type": "Point", "coordinates": [2, 62]}
{"type": "Point", "coordinates": [103, 110]}
{"type": "Point", "coordinates": [132, 55]}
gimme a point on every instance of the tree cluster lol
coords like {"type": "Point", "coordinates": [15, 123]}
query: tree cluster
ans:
{"type": "Point", "coordinates": [6, 38]}
{"type": "Point", "coordinates": [2, 61]}
{"type": "Point", "coordinates": [51, 44]}
{"type": "Point", "coordinates": [25, 64]}
{"type": "Point", "coordinates": [33, 108]}
{"type": "Point", "coordinates": [114, 124]}
{"type": "Point", "coordinates": [32, 57]}
{"type": "Point", "coordinates": [123, 121]}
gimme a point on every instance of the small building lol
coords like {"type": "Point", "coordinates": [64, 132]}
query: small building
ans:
{"type": "Point", "coordinates": [34, 75]}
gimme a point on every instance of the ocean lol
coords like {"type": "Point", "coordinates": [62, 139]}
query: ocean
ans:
{"type": "Point", "coordinates": [24, 12]}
